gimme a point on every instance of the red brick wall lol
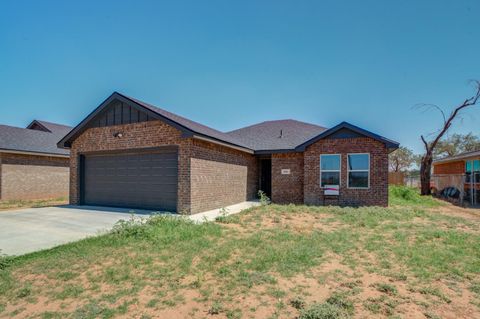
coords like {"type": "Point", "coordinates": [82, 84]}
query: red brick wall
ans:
{"type": "Point", "coordinates": [377, 194]}
{"type": "Point", "coordinates": [287, 188]}
{"type": "Point", "coordinates": [449, 168]}
{"type": "Point", "coordinates": [209, 176]}
{"type": "Point", "coordinates": [33, 177]}
{"type": "Point", "coordinates": [137, 135]}
{"type": "Point", "coordinates": [221, 176]}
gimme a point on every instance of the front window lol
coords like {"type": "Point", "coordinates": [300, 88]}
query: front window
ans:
{"type": "Point", "coordinates": [329, 169]}
{"type": "Point", "coordinates": [358, 170]}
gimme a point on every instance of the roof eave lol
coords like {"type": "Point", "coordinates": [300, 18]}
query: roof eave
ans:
{"type": "Point", "coordinates": [458, 158]}
{"type": "Point", "coordinates": [22, 152]}
{"type": "Point", "coordinates": [275, 151]}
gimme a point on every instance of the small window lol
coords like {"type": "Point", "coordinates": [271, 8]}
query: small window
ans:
{"type": "Point", "coordinates": [358, 170]}
{"type": "Point", "coordinates": [469, 171]}
{"type": "Point", "coordinates": [329, 169]}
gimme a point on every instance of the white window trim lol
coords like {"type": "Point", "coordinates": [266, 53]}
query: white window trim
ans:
{"type": "Point", "coordinates": [331, 170]}
{"type": "Point", "coordinates": [357, 170]}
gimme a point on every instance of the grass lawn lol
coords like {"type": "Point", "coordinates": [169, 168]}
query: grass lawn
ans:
{"type": "Point", "coordinates": [418, 258]}
{"type": "Point", "coordinates": [15, 204]}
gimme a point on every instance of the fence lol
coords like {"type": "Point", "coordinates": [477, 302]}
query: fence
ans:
{"type": "Point", "coordinates": [441, 182]}
{"type": "Point", "coordinates": [396, 178]}
{"type": "Point", "coordinates": [412, 181]}
{"type": "Point", "coordinates": [399, 178]}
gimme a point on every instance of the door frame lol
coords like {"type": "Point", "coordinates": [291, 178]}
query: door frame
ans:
{"type": "Point", "coordinates": [262, 161]}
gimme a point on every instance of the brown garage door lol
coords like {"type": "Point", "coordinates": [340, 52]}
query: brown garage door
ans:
{"type": "Point", "coordinates": [137, 180]}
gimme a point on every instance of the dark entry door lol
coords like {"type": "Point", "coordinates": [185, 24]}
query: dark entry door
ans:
{"type": "Point", "coordinates": [266, 176]}
{"type": "Point", "coordinates": [137, 180]}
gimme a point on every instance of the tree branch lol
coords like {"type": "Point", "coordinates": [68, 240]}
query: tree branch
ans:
{"type": "Point", "coordinates": [447, 123]}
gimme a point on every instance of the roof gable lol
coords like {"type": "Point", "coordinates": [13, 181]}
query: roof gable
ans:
{"type": "Point", "coordinates": [37, 126]}
{"type": "Point", "coordinates": [187, 127]}
{"type": "Point", "coordinates": [347, 130]}
{"type": "Point", "coordinates": [118, 113]}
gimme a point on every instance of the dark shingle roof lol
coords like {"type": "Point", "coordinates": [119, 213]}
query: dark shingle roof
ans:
{"type": "Point", "coordinates": [276, 135]}
{"type": "Point", "coordinates": [282, 135]}
{"type": "Point", "coordinates": [458, 157]}
{"type": "Point", "coordinates": [36, 141]}
{"type": "Point", "coordinates": [189, 124]}
{"type": "Point", "coordinates": [54, 127]}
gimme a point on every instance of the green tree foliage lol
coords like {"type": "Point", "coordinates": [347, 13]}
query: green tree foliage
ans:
{"type": "Point", "coordinates": [401, 160]}
{"type": "Point", "coordinates": [456, 144]}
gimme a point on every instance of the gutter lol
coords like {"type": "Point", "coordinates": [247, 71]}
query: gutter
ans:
{"type": "Point", "coordinates": [33, 153]}
{"type": "Point", "coordinates": [277, 151]}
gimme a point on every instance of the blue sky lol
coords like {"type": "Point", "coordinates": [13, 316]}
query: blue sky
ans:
{"type": "Point", "coordinates": [229, 64]}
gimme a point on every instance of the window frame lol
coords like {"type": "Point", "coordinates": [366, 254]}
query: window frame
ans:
{"type": "Point", "coordinates": [358, 170]}
{"type": "Point", "coordinates": [339, 171]}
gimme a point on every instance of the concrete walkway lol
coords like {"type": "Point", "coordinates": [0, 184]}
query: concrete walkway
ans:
{"type": "Point", "coordinates": [229, 210]}
{"type": "Point", "coordinates": [27, 230]}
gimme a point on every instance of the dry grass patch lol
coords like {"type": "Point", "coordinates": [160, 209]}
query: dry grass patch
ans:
{"type": "Point", "coordinates": [17, 204]}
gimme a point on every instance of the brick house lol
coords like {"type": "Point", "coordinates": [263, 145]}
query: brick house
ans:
{"type": "Point", "coordinates": [31, 164]}
{"type": "Point", "coordinates": [129, 153]}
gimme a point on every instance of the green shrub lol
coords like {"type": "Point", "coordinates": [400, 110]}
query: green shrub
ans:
{"type": "Point", "coordinates": [264, 199]}
{"type": "Point", "coordinates": [5, 261]}
{"type": "Point", "coordinates": [404, 195]}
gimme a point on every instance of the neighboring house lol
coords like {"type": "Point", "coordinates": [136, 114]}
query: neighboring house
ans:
{"type": "Point", "coordinates": [132, 154]}
{"type": "Point", "coordinates": [31, 164]}
{"type": "Point", "coordinates": [462, 172]}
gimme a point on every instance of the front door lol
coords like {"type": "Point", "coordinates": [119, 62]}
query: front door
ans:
{"type": "Point", "coordinates": [266, 176]}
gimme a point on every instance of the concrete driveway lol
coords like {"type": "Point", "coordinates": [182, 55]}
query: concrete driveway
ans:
{"type": "Point", "coordinates": [27, 230]}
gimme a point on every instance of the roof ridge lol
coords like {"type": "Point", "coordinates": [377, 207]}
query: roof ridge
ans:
{"type": "Point", "coordinates": [54, 123]}
{"type": "Point", "coordinates": [273, 121]}
{"type": "Point", "coordinates": [24, 129]}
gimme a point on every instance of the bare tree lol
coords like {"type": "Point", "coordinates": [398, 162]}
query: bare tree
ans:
{"type": "Point", "coordinates": [427, 158]}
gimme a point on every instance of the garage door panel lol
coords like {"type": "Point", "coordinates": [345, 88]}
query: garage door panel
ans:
{"type": "Point", "coordinates": [143, 180]}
